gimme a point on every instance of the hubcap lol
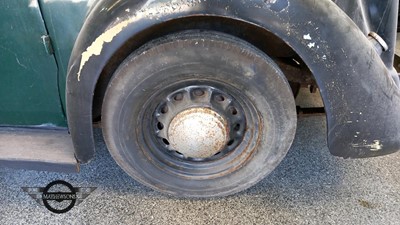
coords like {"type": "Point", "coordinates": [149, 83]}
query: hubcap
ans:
{"type": "Point", "coordinates": [198, 133]}
{"type": "Point", "coordinates": [199, 123]}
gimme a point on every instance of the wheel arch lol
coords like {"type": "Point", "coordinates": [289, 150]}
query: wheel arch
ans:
{"type": "Point", "coordinates": [231, 26]}
{"type": "Point", "coordinates": [300, 24]}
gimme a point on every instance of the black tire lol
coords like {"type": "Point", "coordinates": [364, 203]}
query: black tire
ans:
{"type": "Point", "coordinates": [218, 63]}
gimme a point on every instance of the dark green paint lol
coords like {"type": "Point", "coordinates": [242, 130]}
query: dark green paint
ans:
{"type": "Point", "coordinates": [29, 92]}
{"type": "Point", "coordinates": [63, 19]}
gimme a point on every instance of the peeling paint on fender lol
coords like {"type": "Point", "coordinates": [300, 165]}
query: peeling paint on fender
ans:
{"type": "Point", "coordinates": [97, 46]}
{"type": "Point", "coordinates": [152, 10]}
{"type": "Point", "coordinates": [307, 37]}
{"type": "Point", "coordinates": [311, 45]}
{"type": "Point", "coordinates": [375, 146]}
{"type": "Point", "coordinates": [277, 5]}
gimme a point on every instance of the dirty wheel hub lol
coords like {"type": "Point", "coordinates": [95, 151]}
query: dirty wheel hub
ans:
{"type": "Point", "coordinates": [198, 133]}
{"type": "Point", "coordinates": [199, 123]}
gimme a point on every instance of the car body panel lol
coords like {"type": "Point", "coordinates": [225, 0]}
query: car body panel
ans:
{"type": "Point", "coordinates": [29, 92]}
{"type": "Point", "coordinates": [379, 16]}
{"type": "Point", "coordinates": [361, 99]}
{"type": "Point", "coordinates": [64, 20]}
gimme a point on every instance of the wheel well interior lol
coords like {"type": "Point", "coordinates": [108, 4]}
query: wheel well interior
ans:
{"type": "Point", "coordinates": [288, 60]}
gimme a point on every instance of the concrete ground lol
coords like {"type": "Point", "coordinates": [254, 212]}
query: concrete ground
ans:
{"type": "Point", "coordinates": [309, 187]}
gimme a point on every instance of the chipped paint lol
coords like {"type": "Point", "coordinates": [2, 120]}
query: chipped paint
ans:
{"type": "Point", "coordinates": [33, 4]}
{"type": "Point", "coordinates": [151, 10]}
{"type": "Point", "coordinates": [97, 46]}
{"type": "Point", "coordinates": [297, 62]}
{"type": "Point", "coordinates": [307, 37]}
{"type": "Point", "coordinates": [46, 125]}
{"type": "Point", "coordinates": [277, 5]}
{"type": "Point", "coordinates": [375, 146]}
{"type": "Point", "coordinates": [311, 45]}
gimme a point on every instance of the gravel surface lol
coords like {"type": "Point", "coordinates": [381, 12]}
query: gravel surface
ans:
{"type": "Point", "coordinates": [309, 187]}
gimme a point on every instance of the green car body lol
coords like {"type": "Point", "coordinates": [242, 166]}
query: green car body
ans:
{"type": "Point", "coordinates": [36, 42]}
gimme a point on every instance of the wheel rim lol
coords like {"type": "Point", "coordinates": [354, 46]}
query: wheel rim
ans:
{"type": "Point", "coordinates": [218, 115]}
{"type": "Point", "coordinates": [197, 133]}
{"type": "Point", "coordinates": [235, 124]}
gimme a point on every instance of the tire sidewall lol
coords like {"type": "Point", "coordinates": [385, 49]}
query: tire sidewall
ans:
{"type": "Point", "coordinates": [190, 58]}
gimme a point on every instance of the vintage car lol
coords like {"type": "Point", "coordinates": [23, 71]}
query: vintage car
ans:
{"type": "Point", "coordinates": [195, 98]}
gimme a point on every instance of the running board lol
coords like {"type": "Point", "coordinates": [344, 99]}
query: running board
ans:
{"type": "Point", "coordinates": [37, 149]}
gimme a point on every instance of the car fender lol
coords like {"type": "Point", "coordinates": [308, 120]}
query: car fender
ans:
{"type": "Point", "coordinates": [361, 99]}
